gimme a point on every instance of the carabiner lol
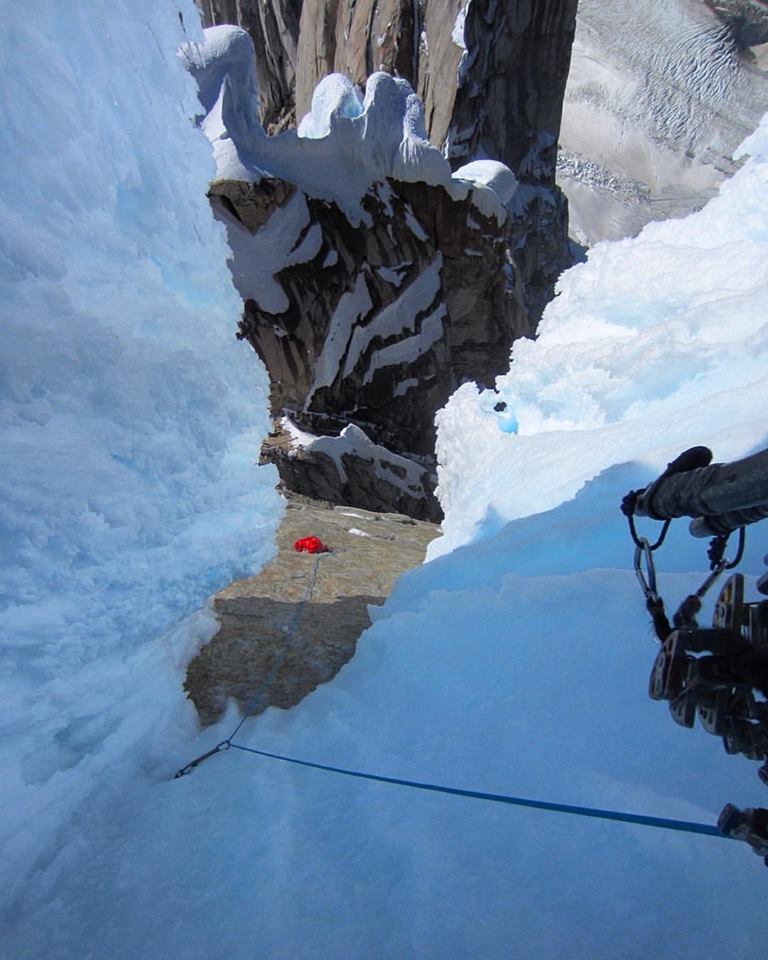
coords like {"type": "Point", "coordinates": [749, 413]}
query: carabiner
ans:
{"type": "Point", "coordinates": [647, 578]}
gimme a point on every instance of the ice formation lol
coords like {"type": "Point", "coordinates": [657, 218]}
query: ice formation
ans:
{"type": "Point", "coordinates": [636, 342]}
{"type": "Point", "coordinates": [494, 185]}
{"type": "Point", "coordinates": [228, 91]}
{"type": "Point", "coordinates": [341, 147]}
{"type": "Point", "coordinates": [131, 418]}
{"type": "Point", "coordinates": [335, 96]}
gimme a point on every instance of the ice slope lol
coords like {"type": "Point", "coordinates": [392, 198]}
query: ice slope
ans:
{"type": "Point", "coordinates": [515, 665]}
{"type": "Point", "coordinates": [658, 97]}
{"type": "Point", "coordinates": [130, 418]}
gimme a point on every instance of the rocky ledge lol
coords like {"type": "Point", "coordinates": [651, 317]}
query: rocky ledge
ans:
{"type": "Point", "coordinates": [297, 623]}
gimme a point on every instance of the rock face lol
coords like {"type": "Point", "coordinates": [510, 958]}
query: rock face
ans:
{"type": "Point", "coordinates": [351, 469]}
{"type": "Point", "coordinates": [491, 77]}
{"type": "Point", "coordinates": [380, 327]}
{"type": "Point", "coordinates": [376, 279]}
{"type": "Point", "coordinates": [429, 278]}
{"type": "Point", "coordinates": [508, 104]}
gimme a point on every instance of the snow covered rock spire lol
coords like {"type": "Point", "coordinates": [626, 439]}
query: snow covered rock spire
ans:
{"type": "Point", "coordinates": [374, 280]}
{"type": "Point", "coordinates": [491, 77]}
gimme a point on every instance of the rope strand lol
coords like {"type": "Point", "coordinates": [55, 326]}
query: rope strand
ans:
{"type": "Point", "coordinates": [661, 823]}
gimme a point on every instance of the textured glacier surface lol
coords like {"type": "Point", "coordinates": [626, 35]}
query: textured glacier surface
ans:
{"type": "Point", "coordinates": [658, 98]}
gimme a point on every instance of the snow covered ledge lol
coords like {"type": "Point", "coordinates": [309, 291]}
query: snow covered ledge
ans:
{"type": "Point", "coordinates": [344, 145]}
{"type": "Point", "coordinates": [351, 468]}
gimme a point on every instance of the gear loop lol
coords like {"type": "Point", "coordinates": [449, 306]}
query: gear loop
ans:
{"type": "Point", "coordinates": [716, 551]}
{"type": "Point", "coordinates": [639, 541]}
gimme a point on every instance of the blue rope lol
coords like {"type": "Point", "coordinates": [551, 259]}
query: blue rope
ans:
{"type": "Point", "coordinates": [661, 823]}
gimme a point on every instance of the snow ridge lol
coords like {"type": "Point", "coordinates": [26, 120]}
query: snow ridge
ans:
{"type": "Point", "coordinates": [342, 146]}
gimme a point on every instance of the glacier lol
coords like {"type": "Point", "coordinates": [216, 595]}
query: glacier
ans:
{"type": "Point", "coordinates": [658, 98]}
{"type": "Point", "coordinates": [514, 661]}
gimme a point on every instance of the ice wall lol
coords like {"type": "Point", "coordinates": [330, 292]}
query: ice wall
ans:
{"type": "Point", "coordinates": [130, 417]}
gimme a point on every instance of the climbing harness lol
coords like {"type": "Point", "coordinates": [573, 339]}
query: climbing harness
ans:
{"type": "Point", "coordinates": [719, 673]}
